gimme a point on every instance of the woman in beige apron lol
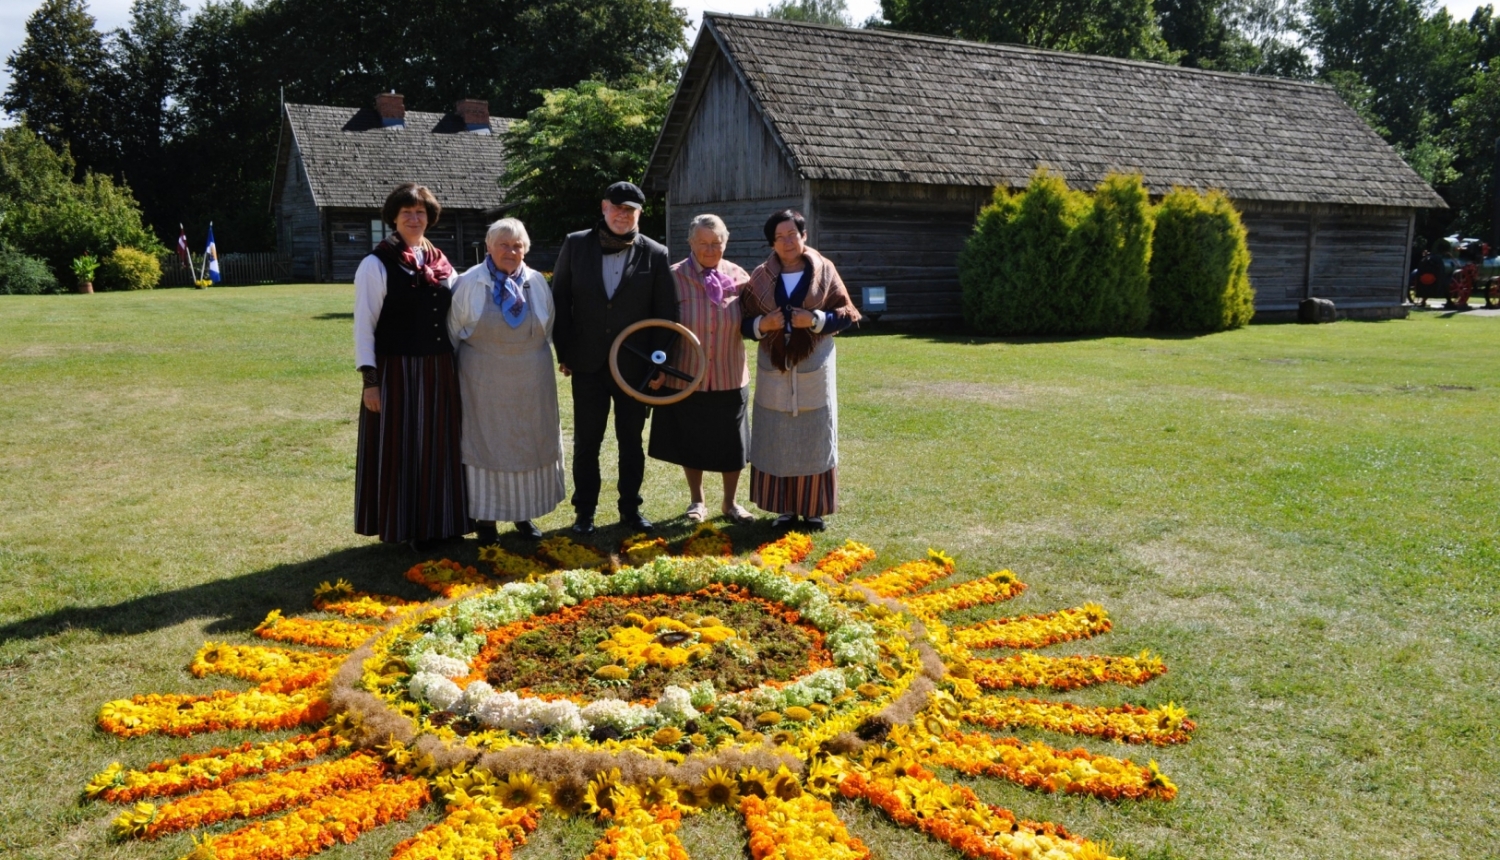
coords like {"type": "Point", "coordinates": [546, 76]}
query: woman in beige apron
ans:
{"type": "Point", "coordinates": [512, 439]}
{"type": "Point", "coordinates": [796, 302]}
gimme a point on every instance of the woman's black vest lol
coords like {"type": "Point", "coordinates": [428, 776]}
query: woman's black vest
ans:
{"type": "Point", "coordinates": [414, 318]}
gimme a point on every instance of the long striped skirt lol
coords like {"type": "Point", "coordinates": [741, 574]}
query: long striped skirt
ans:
{"type": "Point", "coordinates": [803, 495]}
{"type": "Point", "coordinates": [409, 478]}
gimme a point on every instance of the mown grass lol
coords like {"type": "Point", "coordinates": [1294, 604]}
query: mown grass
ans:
{"type": "Point", "coordinates": [1300, 519]}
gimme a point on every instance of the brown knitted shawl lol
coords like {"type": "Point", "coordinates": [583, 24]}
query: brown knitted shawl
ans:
{"type": "Point", "coordinates": [826, 293]}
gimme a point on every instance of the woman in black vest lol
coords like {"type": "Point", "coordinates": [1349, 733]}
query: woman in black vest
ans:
{"type": "Point", "coordinates": [409, 479]}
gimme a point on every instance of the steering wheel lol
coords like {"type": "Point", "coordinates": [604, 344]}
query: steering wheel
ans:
{"type": "Point", "coordinates": [658, 362]}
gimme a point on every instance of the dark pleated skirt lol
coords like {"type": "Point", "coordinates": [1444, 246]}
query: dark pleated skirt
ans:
{"type": "Point", "coordinates": [409, 474]}
{"type": "Point", "coordinates": [803, 495]}
{"type": "Point", "coordinates": [709, 430]}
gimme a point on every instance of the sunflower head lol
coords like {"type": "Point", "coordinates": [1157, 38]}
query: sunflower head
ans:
{"type": "Point", "coordinates": [823, 777]}
{"type": "Point", "coordinates": [691, 797]}
{"type": "Point", "coordinates": [567, 797]}
{"type": "Point", "coordinates": [785, 784]}
{"type": "Point", "coordinates": [720, 788]}
{"type": "Point", "coordinates": [658, 792]}
{"type": "Point", "coordinates": [522, 790]}
{"type": "Point", "coordinates": [598, 798]}
{"type": "Point", "coordinates": [755, 782]}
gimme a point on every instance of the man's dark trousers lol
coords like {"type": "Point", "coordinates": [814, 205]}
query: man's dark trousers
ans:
{"type": "Point", "coordinates": [592, 393]}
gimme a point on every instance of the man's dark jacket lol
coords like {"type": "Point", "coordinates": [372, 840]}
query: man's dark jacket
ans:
{"type": "Point", "coordinates": [588, 320]}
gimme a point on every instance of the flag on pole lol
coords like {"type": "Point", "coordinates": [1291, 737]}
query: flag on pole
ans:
{"type": "Point", "coordinates": [182, 248]}
{"type": "Point", "coordinates": [211, 255]}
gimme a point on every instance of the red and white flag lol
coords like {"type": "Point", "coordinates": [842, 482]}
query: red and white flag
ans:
{"type": "Point", "coordinates": [182, 248]}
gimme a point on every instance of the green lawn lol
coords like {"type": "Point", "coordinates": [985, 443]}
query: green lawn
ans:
{"type": "Point", "coordinates": [1300, 519]}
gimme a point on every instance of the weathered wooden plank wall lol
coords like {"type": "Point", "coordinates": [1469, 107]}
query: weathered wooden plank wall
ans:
{"type": "Point", "coordinates": [297, 222]}
{"type": "Point", "coordinates": [1358, 254]}
{"type": "Point", "coordinates": [728, 153]}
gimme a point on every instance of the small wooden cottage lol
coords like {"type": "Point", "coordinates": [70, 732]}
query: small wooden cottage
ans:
{"type": "Point", "coordinates": [337, 165]}
{"type": "Point", "coordinates": [890, 143]}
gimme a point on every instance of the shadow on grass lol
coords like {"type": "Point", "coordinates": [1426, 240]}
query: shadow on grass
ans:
{"type": "Point", "coordinates": [239, 603]}
{"type": "Point", "coordinates": [335, 316]}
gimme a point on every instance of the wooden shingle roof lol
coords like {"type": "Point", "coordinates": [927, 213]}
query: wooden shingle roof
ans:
{"type": "Point", "coordinates": [880, 106]}
{"type": "Point", "coordinates": [352, 162]}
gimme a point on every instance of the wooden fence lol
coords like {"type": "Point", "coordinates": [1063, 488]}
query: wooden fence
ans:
{"type": "Point", "coordinates": [234, 270]}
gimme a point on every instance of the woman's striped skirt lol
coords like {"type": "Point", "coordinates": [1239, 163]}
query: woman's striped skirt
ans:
{"type": "Point", "coordinates": [409, 476]}
{"type": "Point", "coordinates": [803, 495]}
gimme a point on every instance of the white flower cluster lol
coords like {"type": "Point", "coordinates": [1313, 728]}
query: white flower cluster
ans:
{"type": "Point", "coordinates": [519, 714]}
{"type": "Point", "coordinates": [621, 716]}
{"type": "Point", "coordinates": [676, 705]}
{"type": "Point", "coordinates": [824, 686]}
{"type": "Point", "coordinates": [441, 664]}
{"type": "Point", "coordinates": [853, 644]}
{"type": "Point", "coordinates": [434, 689]}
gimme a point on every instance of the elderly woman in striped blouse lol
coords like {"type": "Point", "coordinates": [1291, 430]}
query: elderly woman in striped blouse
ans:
{"type": "Point", "coordinates": [709, 431]}
{"type": "Point", "coordinates": [501, 319]}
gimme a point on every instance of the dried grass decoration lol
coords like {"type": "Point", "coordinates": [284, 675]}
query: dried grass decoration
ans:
{"type": "Point", "coordinates": [678, 684]}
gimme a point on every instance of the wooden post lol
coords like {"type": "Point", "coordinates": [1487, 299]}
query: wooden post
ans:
{"type": "Point", "coordinates": [1312, 246]}
{"type": "Point", "coordinates": [1411, 235]}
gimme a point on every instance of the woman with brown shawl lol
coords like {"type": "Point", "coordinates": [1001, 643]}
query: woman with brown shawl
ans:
{"type": "Point", "coordinates": [794, 305]}
{"type": "Point", "coordinates": [408, 474]}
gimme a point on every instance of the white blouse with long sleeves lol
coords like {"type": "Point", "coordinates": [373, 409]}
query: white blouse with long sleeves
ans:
{"type": "Point", "coordinates": [369, 298]}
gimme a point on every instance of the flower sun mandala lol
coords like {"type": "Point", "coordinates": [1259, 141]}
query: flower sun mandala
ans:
{"type": "Point", "coordinates": [639, 697]}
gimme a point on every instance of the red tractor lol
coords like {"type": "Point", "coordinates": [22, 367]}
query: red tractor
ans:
{"type": "Point", "coordinates": [1455, 269]}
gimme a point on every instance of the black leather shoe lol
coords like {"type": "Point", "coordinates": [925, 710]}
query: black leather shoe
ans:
{"type": "Point", "coordinates": [636, 521]}
{"type": "Point", "coordinates": [527, 529]}
{"type": "Point", "coordinates": [814, 524]}
{"type": "Point", "coordinates": [485, 533]}
{"type": "Point", "coordinates": [584, 524]}
{"type": "Point", "coordinates": [785, 521]}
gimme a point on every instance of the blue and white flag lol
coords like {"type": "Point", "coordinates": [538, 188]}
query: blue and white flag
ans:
{"type": "Point", "coordinates": [211, 254]}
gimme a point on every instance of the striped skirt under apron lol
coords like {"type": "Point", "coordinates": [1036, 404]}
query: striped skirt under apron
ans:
{"type": "Point", "coordinates": [803, 495]}
{"type": "Point", "coordinates": [409, 478]}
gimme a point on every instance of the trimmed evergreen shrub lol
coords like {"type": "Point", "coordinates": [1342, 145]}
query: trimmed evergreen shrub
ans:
{"type": "Point", "coordinates": [22, 275]}
{"type": "Point", "coordinates": [129, 269]}
{"type": "Point", "coordinates": [1116, 270]}
{"type": "Point", "coordinates": [1050, 260]}
{"type": "Point", "coordinates": [1016, 267]}
{"type": "Point", "coordinates": [1200, 264]}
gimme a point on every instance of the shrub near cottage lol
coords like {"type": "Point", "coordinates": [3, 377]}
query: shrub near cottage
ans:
{"type": "Point", "coordinates": [1051, 260]}
{"type": "Point", "coordinates": [1017, 264]}
{"type": "Point", "coordinates": [129, 269]}
{"type": "Point", "coordinates": [1200, 264]}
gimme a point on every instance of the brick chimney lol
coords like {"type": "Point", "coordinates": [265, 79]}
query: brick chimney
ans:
{"type": "Point", "coordinates": [475, 113]}
{"type": "Point", "coordinates": [392, 109]}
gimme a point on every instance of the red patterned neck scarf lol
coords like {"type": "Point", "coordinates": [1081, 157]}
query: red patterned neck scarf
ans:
{"type": "Point", "coordinates": [434, 267]}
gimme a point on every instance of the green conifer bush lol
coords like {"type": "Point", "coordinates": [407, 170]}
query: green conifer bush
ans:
{"type": "Point", "coordinates": [1200, 264]}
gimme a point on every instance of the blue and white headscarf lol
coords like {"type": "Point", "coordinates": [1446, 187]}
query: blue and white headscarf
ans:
{"type": "Point", "coordinates": [509, 292]}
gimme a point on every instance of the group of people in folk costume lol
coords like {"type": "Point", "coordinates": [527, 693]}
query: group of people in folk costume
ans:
{"type": "Point", "coordinates": [459, 422]}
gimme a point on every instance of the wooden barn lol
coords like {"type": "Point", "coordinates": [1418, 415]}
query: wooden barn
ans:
{"type": "Point", "coordinates": [337, 165]}
{"type": "Point", "coordinates": [890, 143]}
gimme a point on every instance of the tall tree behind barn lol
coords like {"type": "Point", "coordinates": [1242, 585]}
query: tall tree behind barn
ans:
{"type": "Point", "coordinates": [891, 142]}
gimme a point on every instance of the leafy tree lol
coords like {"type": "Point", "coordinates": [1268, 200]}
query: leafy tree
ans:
{"type": "Point", "coordinates": [53, 77]}
{"type": "Point", "coordinates": [50, 216]}
{"type": "Point", "coordinates": [562, 156]}
{"type": "Point", "coordinates": [813, 11]}
{"type": "Point", "coordinates": [147, 59]}
{"type": "Point", "coordinates": [1475, 132]}
{"type": "Point", "coordinates": [1115, 28]}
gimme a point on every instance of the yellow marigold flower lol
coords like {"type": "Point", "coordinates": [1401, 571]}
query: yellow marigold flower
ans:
{"type": "Point", "coordinates": [667, 736]}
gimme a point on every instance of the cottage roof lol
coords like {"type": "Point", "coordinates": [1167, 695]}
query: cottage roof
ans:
{"type": "Point", "coordinates": [881, 106]}
{"type": "Point", "coordinates": [353, 162]}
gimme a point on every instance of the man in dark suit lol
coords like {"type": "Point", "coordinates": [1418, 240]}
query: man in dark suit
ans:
{"type": "Point", "coordinates": [606, 278]}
